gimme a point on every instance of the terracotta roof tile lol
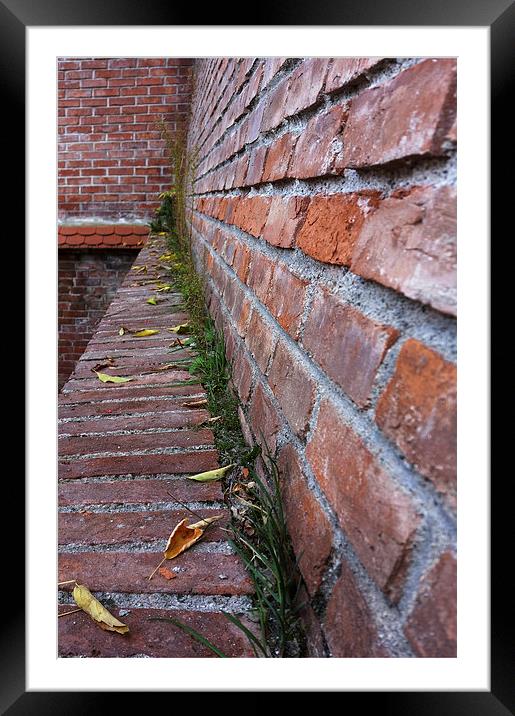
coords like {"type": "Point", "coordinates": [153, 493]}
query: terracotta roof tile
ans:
{"type": "Point", "coordinates": [102, 235]}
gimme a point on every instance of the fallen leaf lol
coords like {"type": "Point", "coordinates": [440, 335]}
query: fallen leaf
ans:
{"type": "Point", "coordinates": [165, 572]}
{"type": "Point", "coordinates": [139, 269]}
{"type": "Point", "coordinates": [194, 403]}
{"type": "Point", "coordinates": [181, 328]}
{"type": "Point", "coordinates": [245, 471]}
{"type": "Point", "coordinates": [183, 537]}
{"type": "Point", "coordinates": [111, 378]}
{"type": "Point", "coordinates": [109, 362]}
{"type": "Point", "coordinates": [87, 602]}
{"type": "Point", "coordinates": [145, 332]}
{"type": "Point", "coordinates": [152, 301]}
{"type": "Point", "coordinates": [211, 475]}
{"type": "Point", "coordinates": [121, 331]}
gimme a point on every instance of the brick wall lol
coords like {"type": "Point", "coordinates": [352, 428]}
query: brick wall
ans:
{"type": "Point", "coordinates": [88, 281]}
{"type": "Point", "coordinates": [324, 223]}
{"type": "Point", "coordinates": [112, 162]}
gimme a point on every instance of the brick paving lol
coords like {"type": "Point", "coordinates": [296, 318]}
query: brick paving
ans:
{"type": "Point", "coordinates": [123, 448]}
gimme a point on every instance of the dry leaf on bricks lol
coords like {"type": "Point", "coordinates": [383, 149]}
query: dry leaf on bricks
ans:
{"type": "Point", "coordinates": [145, 332]}
{"type": "Point", "coordinates": [111, 378]}
{"type": "Point", "coordinates": [164, 572]}
{"type": "Point", "coordinates": [183, 537]}
{"type": "Point", "coordinates": [88, 603]}
{"type": "Point", "coordinates": [181, 328]}
{"type": "Point", "coordinates": [152, 301]}
{"type": "Point", "coordinates": [211, 475]}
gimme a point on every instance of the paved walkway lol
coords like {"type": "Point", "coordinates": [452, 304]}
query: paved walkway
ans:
{"type": "Point", "coordinates": [124, 452]}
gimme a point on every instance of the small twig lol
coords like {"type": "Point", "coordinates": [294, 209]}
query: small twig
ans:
{"type": "Point", "coordinates": [63, 614]}
{"type": "Point", "coordinates": [185, 506]}
{"type": "Point", "coordinates": [68, 582]}
{"type": "Point", "coordinates": [155, 570]}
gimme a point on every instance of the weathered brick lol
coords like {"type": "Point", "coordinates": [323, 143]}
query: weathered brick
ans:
{"type": "Point", "coordinates": [293, 388]}
{"type": "Point", "coordinates": [129, 571]}
{"type": "Point", "coordinates": [353, 481]}
{"type": "Point", "coordinates": [284, 220]}
{"type": "Point", "coordinates": [308, 525]}
{"type": "Point", "coordinates": [285, 299]}
{"type": "Point", "coordinates": [349, 623]}
{"type": "Point", "coordinates": [431, 626]}
{"type": "Point", "coordinates": [260, 340]}
{"type": "Point", "coordinates": [418, 412]}
{"type": "Point", "coordinates": [80, 636]}
{"type": "Point", "coordinates": [169, 406]}
{"type": "Point", "coordinates": [138, 492]}
{"type": "Point", "coordinates": [305, 85]}
{"type": "Point", "coordinates": [256, 163]}
{"type": "Point", "coordinates": [345, 70]}
{"type": "Point", "coordinates": [251, 214]}
{"type": "Point", "coordinates": [242, 375]}
{"type": "Point", "coordinates": [319, 144]}
{"type": "Point", "coordinates": [264, 419]}
{"type": "Point", "coordinates": [349, 346]}
{"type": "Point", "coordinates": [119, 528]}
{"type": "Point", "coordinates": [409, 244]}
{"type": "Point", "coordinates": [140, 464]}
{"type": "Point", "coordinates": [333, 224]}
{"type": "Point", "coordinates": [260, 275]}
{"type": "Point", "coordinates": [409, 116]}
{"type": "Point", "coordinates": [278, 157]}
{"type": "Point", "coordinates": [125, 443]}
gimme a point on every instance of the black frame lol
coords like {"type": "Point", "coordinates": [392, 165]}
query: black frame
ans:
{"type": "Point", "coordinates": [499, 15]}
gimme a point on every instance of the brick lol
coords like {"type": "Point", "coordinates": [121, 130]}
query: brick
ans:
{"type": "Point", "coordinates": [151, 464]}
{"type": "Point", "coordinates": [319, 145]}
{"type": "Point", "coordinates": [251, 214]}
{"type": "Point", "coordinates": [333, 224]}
{"type": "Point", "coordinates": [409, 116]}
{"type": "Point", "coordinates": [284, 220]}
{"type": "Point", "coordinates": [125, 443]}
{"type": "Point", "coordinates": [349, 623]}
{"type": "Point", "coordinates": [80, 636]}
{"type": "Point", "coordinates": [88, 528]}
{"type": "Point", "coordinates": [142, 492]}
{"type": "Point", "coordinates": [260, 340]}
{"type": "Point", "coordinates": [348, 346]}
{"type": "Point", "coordinates": [264, 419]}
{"type": "Point", "coordinates": [285, 299]}
{"type": "Point", "coordinates": [256, 163]}
{"type": "Point", "coordinates": [293, 388]}
{"type": "Point", "coordinates": [417, 411]}
{"type": "Point", "coordinates": [305, 85]}
{"type": "Point", "coordinates": [409, 244]}
{"type": "Point", "coordinates": [260, 275]}
{"type": "Point", "coordinates": [431, 626]}
{"type": "Point", "coordinates": [308, 525]}
{"type": "Point", "coordinates": [129, 571]}
{"type": "Point", "coordinates": [279, 157]}
{"type": "Point", "coordinates": [378, 518]}
{"type": "Point", "coordinates": [346, 70]}
{"type": "Point", "coordinates": [242, 375]}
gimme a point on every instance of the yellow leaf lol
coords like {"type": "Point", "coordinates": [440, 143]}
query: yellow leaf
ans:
{"type": "Point", "coordinates": [87, 602]}
{"type": "Point", "coordinates": [205, 522]}
{"type": "Point", "coordinates": [194, 403]}
{"type": "Point", "coordinates": [139, 269]}
{"type": "Point", "coordinates": [152, 301]}
{"type": "Point", "coordinates": [111, 378]}
{"type": "Point", "coordinates": [211, 475]}
{"type": "Point", "coordinates": [121, 331]}
{"type": "Point", "coordinates": [145, 332]}
{"type": "Point", "coordinates": [181, 328]}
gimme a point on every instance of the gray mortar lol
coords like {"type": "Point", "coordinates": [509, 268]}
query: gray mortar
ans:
{"type": "Point", "coordinates": [140, 546]}
{"type": "Point", "coordinates": [135, 453]}
{"type": "Point", "coordinates": [120, 507]}
{"type": "Point", "coordinates": [87, 418]}
{"type": "Point", "coordinates": [123, 478]}
{"type": "Point", "coordinates": [173, 602]}
{"type": "Point", "coordinates": [138, 399]}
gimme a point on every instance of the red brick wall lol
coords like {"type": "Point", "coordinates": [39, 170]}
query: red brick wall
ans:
{"type": "Point", "coordinates": [324, 222]}
{"type": "Point", "coordinates": [112, 162]}
{"type": "Point", "coordinates": [88, 281]}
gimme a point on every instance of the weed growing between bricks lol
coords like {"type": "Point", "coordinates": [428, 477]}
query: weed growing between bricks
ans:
{"type": "Point", "coordinates": [258, 525]}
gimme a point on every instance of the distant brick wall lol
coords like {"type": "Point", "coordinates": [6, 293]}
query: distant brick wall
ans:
{"type": "Point", "coordinates": [324, 223]}
{"type": "Point", "coordinates": [88, 281]}
{"type": "Point", "coordinates": [112, 162]}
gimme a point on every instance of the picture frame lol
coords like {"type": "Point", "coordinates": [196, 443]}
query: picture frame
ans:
{"type": "Point", "coordinates": [15, 17]}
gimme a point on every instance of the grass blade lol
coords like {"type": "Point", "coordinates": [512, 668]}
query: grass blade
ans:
{"type": "Point", "coordinates": [193, 633]}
